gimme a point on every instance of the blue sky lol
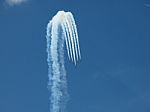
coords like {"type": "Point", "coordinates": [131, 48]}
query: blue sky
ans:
{"type": "Point", "coordinates": [114, 73]}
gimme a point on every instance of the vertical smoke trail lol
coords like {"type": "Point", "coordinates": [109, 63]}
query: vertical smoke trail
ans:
{"type": "Point", "coordinates": [75, 32]}
{"type": "Point", "coordinates": [71, 21]}
{"type": "Point", "coordinates": [59, 30]}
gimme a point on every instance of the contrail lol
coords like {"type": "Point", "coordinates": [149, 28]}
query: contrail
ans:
{"type": "Point", "coordinates": [61, 29]}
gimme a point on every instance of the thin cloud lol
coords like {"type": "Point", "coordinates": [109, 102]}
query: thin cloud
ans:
{"type": "Point", "coordinates": [15, 2]}
{"type": "Point", "coordinates": [147, 5]}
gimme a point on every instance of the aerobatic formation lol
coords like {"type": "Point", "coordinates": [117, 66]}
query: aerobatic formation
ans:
{"type": "Point", "coordinates": [61, 29]}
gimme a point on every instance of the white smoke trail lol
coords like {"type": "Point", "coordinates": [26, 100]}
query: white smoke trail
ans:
{"type": "Point", "coordinates": [75, 32]}
{"type": "Point", "coordinates": [61, 28]}
{"type": "Point", "coordinates": [74, 38]}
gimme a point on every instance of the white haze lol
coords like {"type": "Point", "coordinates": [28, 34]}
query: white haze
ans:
{"type": "Point", "coordinates": [15, 2]}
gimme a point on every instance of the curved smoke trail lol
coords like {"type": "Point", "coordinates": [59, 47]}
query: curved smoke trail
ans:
{"type": "Point", "coordinates": [60, 29]}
